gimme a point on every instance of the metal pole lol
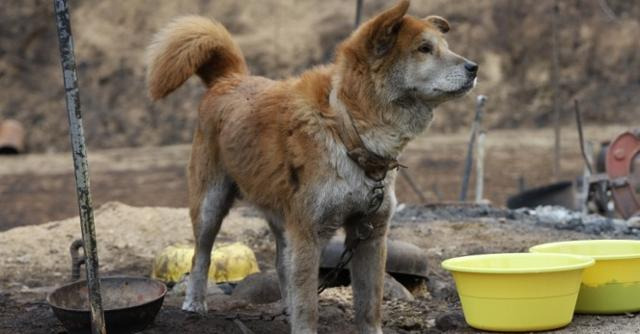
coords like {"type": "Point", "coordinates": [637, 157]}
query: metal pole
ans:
{"type": "Point", "coordinates": [469, 161]}
{"type": "Point", "coordinates": [358, 12]}
{"type": "Point", "coordinates": [80, 163]}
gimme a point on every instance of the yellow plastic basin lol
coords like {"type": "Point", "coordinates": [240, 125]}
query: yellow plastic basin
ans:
{"type": "Point", "coordinates": [612, 285]}
{"type": "Point", "coordinates": [518, 292]}
{"type": "Point", "coordinates": [229, 263]}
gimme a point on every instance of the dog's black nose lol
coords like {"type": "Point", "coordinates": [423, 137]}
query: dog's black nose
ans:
{"type": "Point", "coordinates": [471, 67]}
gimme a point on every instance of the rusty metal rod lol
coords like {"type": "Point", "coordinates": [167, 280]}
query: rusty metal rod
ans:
{"type": "Point", "coordinates": [477, 121]}
{"type": "Point", "coordinates": [81, 170]}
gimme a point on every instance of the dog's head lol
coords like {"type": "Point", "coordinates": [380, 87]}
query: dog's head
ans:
{"type": "Point", "coordinates": [408, 56]}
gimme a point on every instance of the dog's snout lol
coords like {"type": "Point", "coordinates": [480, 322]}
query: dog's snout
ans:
{"type": "Point", "coordinates": [471, 67]}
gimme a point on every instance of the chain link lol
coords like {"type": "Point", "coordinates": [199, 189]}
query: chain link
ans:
{"type": "Point", "coordinates": [364, 229]}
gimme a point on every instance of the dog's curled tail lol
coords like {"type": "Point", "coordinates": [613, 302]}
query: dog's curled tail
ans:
{"type": "Point", "coordinates": [191, 45]}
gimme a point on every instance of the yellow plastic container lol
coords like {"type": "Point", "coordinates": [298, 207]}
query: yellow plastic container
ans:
{"type": "Point", "coordinates": [612, 285]}
{"type": "Point", "coordinates": [518, 292]}
{"type": "Point", "coordinates": [229, 263]}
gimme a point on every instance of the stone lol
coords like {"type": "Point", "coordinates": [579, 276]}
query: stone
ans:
{"type": "Point", "coordinates": [442, 290]}
{"type": "Point", "coordinates": [417, 287]}
{"type": "Point", "coordinates": [394, 290]}
{"type": "Point", "coordinates": [179, 289]}
{"type": "Point", "coordinates": [258, 288]}
{"type": "Point", "coordinates": [450, 321]}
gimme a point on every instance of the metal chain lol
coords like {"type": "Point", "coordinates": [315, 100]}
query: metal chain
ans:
{"type": "Point", "coordinates": [363, 232]}
{"type": "Point", "coordinates": [332, 275]}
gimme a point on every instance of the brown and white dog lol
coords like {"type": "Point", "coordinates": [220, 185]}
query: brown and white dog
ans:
{"type": "Point", "coordinates": [308, 150]}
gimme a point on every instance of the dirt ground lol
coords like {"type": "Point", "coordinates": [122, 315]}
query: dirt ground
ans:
{"type": "Point", "coordinates": [129, 237]}
{"type": "Point", "coordinates": [38, 188]}
{"type": "Point", "coordinates": [34, 253]}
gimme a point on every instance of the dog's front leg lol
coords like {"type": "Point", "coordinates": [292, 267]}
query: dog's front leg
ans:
{"type": "Point", "coordinates": [367, 278]}
{"type": "Point", "coordinates": [303, 258]}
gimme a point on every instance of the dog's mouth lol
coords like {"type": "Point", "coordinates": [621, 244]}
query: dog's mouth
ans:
{"type": "Point", "coordinates": [460, 91]}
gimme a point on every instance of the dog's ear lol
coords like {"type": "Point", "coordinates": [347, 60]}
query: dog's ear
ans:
{"type": "Point", "coordinates": [384, 28]}
{"type": "Point", "coordinates": [439, 22]}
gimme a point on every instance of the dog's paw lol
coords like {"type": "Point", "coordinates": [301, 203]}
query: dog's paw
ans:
{"type": "Point", "coordinates": [196, 307]}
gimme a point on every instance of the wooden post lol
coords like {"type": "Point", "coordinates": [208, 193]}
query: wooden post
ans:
{"type": "Point", "coordinates": [414, 186]}
{"type": "Point", "coordinates": [555, 89]}
{"type": "Point", "coordinates": [81, 170]}
{"type": "Point", "coordinates": [480, 167]}
{"type": "Point", "coordinates": [586, 148]}
{"type": "Point", "coordinates": [358, 13]}
{"type": "Point", "coordinates": [586, 178]}
{"type": "Point", "coordinates": [480, 101]}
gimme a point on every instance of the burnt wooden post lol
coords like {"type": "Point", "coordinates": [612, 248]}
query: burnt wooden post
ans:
{"type": "Point", "coordinates": [480, 166]}
{"type": "Point", "coordinates": [555, 92]}
{"type": "Point", "coordinates": [81, 171]}
{"type": "Point", "coordinates": [475, 127]}
{"type": "Point", "coordinates": [358, 12]}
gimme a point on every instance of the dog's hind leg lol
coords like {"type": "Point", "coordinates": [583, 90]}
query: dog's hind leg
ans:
{"type": "Point", "coordinates": [281, 261]}
{"type": "Point", "coordinates": [215, 199]}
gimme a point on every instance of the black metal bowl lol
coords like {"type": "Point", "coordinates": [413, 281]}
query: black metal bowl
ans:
{"type": "Point", "coordinates": [130, 304]}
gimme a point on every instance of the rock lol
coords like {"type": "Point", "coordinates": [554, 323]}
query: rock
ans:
{"type": "Point", "coordinates": [331, 313]}
{"type": "Point", "coordinates": [180, 288]}
{"type": "Point", "coordinates": [432, 331]}
{"type": "Point", "coordinates": [394, 290]}
{"type": "Point", "coordinates": [226, 288]}
{"type": "Point", "coordinates": [258, 288]}
{"type": "Point", "coordinates": [450, 321]}
{"type": "Point", "coordinates": [214, 289]}
{"type": "Point", "coordinates": [634, 222]}
{"type": "Point", "coordinates": [417, 287]}
{"type": "Point", "coordinates": [441, 289]}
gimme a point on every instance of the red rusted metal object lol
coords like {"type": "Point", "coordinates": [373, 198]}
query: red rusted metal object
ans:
{"type": "Point", "coordinates": [11, 137]}
{"type": "Point", "coordinates": [623, 169]}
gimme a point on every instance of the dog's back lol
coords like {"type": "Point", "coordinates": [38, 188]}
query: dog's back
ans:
{"type": "Point", "coordinates": [238, 108]}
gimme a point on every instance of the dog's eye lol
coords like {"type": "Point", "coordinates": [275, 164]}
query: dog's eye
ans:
{"type": "Point", "coordinates": [426, 48]}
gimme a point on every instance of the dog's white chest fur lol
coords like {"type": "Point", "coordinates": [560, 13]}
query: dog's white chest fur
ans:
{"type": "Point", "coordinates": [348, 190]}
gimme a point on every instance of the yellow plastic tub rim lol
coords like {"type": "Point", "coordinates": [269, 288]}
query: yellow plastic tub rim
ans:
{"type": "Point", "coordinates": [517, 263]}
{"type": "Point", "coordinates": [597, 249]}
{"type": "Point", "coordinates": [612, 285]}
{"type": "Point", "coordinates": [518, 292]}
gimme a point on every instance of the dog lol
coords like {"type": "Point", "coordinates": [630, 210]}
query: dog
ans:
{"type": "Point", "coordinates": [315, 153]}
